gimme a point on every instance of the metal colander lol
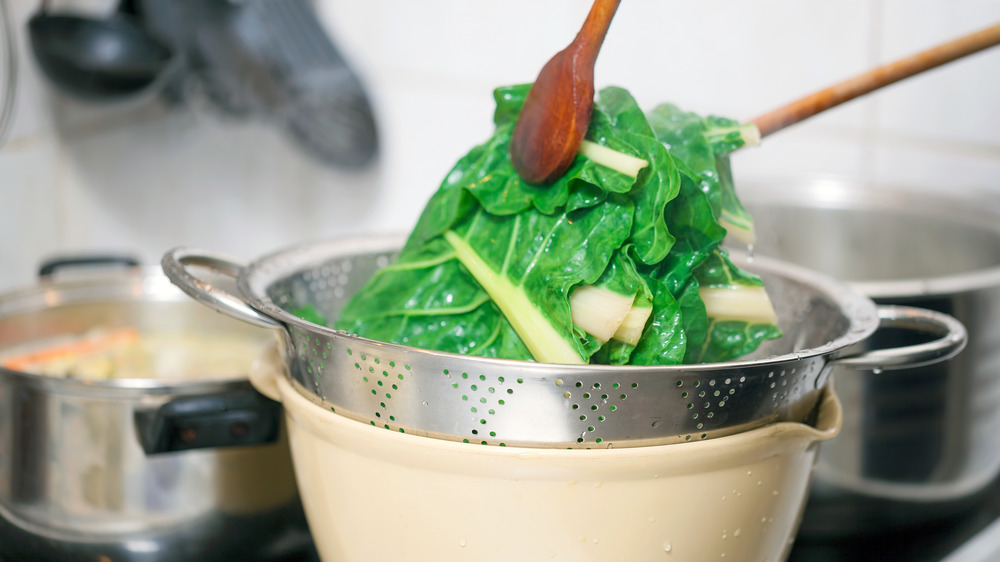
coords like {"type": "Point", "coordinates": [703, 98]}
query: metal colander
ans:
{"type": "Point", "coordinates": [520, 403]}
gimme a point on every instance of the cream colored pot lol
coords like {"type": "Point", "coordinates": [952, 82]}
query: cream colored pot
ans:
{"type": "Point", "coordinates": [372, 494]}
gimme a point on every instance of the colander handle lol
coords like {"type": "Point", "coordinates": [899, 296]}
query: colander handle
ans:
{"type": "Point", "coordinates": [175, 264]}
{"type": "Point", "coordinates": [952, 339]}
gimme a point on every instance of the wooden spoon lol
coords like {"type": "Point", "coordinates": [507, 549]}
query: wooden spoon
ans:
{"type": "Point", "coordinates": [873, 79]}
{"type": "Point", "coordinates": [557, 109]}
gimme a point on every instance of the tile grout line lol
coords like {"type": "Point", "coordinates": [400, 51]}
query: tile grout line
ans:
{"type": "Point", "coordinates": [876, 35]}
{"type": "Point", "coordinates": [61, 178]}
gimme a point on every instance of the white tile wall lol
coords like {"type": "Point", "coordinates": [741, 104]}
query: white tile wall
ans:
{"type": "Point", "coordinates": [144, 178]}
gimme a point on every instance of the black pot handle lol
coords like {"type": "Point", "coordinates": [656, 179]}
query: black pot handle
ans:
{"type": "Point", "coordinates": [224, 419]}
{"type": "Point", "coordinates": [50, 266]}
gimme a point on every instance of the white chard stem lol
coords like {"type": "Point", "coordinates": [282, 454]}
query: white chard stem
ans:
{"type": "Point", "coordinates": [620, 162]}
{"type": "Point", "coordinates": [746, 304]}
{"type": "Point", "coordinates": [537, 333]}
{"type": "Point", "coordinates": [598, 311]}
{"type": "Point", "coordinates": [632, 327]}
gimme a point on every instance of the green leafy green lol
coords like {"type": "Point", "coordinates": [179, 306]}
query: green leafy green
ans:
{"type": "Point", "coordinates": [460, 318]}
{"type": "Point", "coordinates": [493, 264]}
{"type": "Point", "coordinates": [704, 144]}
{"type": "Point", "coordinates": [539, 259]}
{"type": "Point", "coordinates": [310, 314]}
{"type": "Point", "coordinates": [727, 338]}
{"type": "Point", "coordinates": [665, 339]}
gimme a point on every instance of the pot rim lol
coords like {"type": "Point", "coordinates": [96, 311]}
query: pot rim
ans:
{"type": "Point", "coordinates": [965, 206]}
{"type": "Point", "coordinates": [118, 388]}
{"type": "Point", "coordinates": [144, 284]}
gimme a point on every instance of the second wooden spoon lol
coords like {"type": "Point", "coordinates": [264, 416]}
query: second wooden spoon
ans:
{"type": "Point", "coordinates": [874, 79]}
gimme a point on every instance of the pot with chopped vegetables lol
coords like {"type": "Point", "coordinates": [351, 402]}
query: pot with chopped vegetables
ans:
{"type": "Point", "coordinates": [126, 415]}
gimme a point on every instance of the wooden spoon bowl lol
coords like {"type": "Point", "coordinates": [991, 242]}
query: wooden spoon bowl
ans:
{"type": "Point", "coordinates": [557, 109]}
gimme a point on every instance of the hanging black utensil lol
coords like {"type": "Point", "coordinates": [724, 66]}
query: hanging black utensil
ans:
{"type": "Point", "coordinates": [98, 59]}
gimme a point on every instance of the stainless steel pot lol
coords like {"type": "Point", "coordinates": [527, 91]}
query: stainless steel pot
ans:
{"type": "Point", "coordinates": [916, 443]}
{"type": "Point", "coordinates": [137, 469]}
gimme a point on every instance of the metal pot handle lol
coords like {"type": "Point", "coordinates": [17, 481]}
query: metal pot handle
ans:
{"type": "Point", "coordinates": [952, 340]}
{"type": "Point", "coordinates": [50, 266]}
{"type": "Point", "coordinates": [240, 417]}
{"type": "Point", "coordinates": [175, 264]}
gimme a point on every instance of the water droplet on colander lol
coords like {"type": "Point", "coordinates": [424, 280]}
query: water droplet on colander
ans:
{"type": "Point", "coordinates": [425, 403]}
{"type": "Point", "coordinates": [595, 540]}
{"type": "Point", "coordinates": [667, 547]}
{"type": "Point", "coordinates": [461, 543]}
{"type": "Point", "coordinates": [736, 533]}
{"type": "Point", "coordinates": [657, 423]}
{"type": "Point", "coordinates": [876, 371]}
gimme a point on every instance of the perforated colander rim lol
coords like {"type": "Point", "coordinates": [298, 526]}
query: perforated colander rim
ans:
{"type": "Point", "coordinates": [262, 273]}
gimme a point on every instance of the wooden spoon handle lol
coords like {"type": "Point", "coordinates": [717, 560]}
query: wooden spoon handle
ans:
{"type": "Point", "coordinates": [874, 79]}
{"type": "Point", "coordinates": [595, 28]}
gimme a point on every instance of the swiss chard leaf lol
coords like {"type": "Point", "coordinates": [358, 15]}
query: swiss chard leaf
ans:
{"type": "Point", "coordinates": [613, 352]}
{"type": "Point", "coordinates": [487, 173]}
{"type": "Point", "coordinates": [310, 314]}
{"type": "Point", "coordinates": [730, 339]}
{"type": "Point", "coordinates": [664, 342]}
{"type": "Point", "coordinates": [493, 260]}
{"type": "Point", "coordinates": [718, 270]}
{"type": "Point", "coordinates": [529, 263]}
{"type": "Point", "coordinates": [698, 233]}
{"type": "Point", "coordinates": [703, 144]}
{"type": "Point", "coordinates": [427, 299]}
{"type": "Point", "coordinates": [621, 125]}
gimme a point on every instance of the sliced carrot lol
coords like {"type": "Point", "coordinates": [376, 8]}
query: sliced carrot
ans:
{"type": "Point", "coordinates": [85, 346]}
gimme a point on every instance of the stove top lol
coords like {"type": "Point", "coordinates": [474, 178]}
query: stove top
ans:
{"type": "Point", "coordinates": [861, 529]}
